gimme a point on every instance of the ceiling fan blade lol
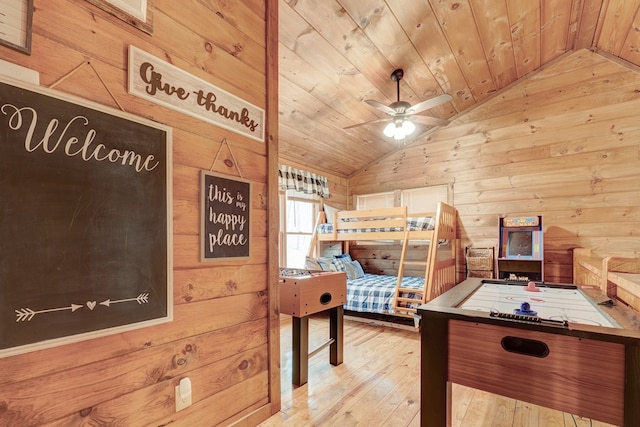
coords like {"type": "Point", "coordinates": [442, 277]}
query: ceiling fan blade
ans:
{"type": "Point", "coordinates": [368, 123]}
{"type": "Point", "coordinates": [380, 106]}
{"type": "Point", "coordinates": [429, 103]}
{"type": "Point", "coordinates": [428, 120]}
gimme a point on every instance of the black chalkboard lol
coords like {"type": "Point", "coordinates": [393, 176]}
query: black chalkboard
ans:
{"type": "Point", "coordinates": [84, 220]}
{"type": "Point", "coordinates": [225, 217]}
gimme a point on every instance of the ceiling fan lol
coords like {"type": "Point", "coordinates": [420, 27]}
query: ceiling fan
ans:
{"type": "Point", "coordinates": [402, 114]}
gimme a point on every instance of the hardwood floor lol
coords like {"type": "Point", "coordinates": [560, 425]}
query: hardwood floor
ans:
{"type": "Point", "coordinates": [378, 385]}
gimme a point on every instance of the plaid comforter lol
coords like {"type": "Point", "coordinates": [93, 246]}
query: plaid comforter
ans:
{"type": "Point", "coordinates": [413, 224]}
{"type": "Point", "coordinates": [375, 293]}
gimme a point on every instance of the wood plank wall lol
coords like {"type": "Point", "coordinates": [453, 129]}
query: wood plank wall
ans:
{"type": "Point", "coordinates": [379, 258]}
{"type": "Point", "coordinates": [220, 333]}
{"type": "Point", "coordinates": [562, 143]}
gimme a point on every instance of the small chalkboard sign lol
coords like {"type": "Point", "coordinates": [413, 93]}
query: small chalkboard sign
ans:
{"type": "Point", "coordinates": [85, 220]}
{"type": "Point", "coordinates": [225, 217]}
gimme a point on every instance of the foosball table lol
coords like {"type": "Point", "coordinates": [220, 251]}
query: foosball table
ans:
{"type": "Point", "coordinates": [307, 292]}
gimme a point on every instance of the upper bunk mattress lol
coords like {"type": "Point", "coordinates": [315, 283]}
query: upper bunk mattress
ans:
{"type": "Point", "coordinates": [413, 224]}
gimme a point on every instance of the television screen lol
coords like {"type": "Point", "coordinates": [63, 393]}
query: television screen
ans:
{"type": "Point", "coordinates": [520, 243]}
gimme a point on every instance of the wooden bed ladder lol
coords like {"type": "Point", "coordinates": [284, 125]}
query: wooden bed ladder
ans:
{"type": "Point", "coordinates": [429, 264]}
{"type": "Point", "coordinates": [400, 302]}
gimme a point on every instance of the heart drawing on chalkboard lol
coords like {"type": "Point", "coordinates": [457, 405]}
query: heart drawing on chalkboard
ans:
{"type": "Point", "coordinates": [91, 305]}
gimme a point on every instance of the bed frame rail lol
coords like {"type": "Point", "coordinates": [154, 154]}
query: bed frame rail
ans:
{"type": "Point", "coordinates": [618, 276]}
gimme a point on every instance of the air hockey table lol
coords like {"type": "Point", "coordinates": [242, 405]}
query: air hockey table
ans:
{"type": "Point", "coordinates": [551, 345]}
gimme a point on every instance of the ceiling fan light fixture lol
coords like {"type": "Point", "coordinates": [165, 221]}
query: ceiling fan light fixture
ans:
{"type": "Point", "coordinates": [399, 129]}
{"type": "Point", "coordinates": [398, 112]}
{"type": "Point", "coordinates": [390, 129]}
{"type": "Point", "coordinates": [398, 132]}
{"type": "Point", "coordinates": [408, 127]}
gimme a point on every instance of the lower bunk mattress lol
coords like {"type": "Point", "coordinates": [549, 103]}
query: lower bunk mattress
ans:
{"type": "Point", "coordinates": [375, 293]}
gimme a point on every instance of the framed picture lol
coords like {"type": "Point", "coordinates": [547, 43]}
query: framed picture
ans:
{"type": "Point", "coordinates": [16, 24]}
{"type": "Point", "coordinates": [135, 12]}
{"type": "Point", "coordinates": [225, 217]}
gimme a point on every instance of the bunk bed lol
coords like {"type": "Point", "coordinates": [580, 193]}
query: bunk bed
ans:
{"type": "Point", "coordinates": [397, 295]}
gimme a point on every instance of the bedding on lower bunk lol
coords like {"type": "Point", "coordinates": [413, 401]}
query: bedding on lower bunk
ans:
{"type": "Point", "coordinates": [370, 293]}
{"type": "Point", "coordinates": [374, 293]}
{"type": "Point", "coordinates": [413, 224]}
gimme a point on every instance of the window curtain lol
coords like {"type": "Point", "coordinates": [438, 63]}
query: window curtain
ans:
{"type": "Point", "coordinates": [306, 182]}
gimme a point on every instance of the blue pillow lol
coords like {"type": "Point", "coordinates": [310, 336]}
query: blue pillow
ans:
{"type": "Point", "coordinates": [339, 261]}
{"type": "Point", "coordinates": [343, 257]}
{"type": "Point", "coordinates": [354, 270]}
{"type": "Point", "coordinates": [338, 265]}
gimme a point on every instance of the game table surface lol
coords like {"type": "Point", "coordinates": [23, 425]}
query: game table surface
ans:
{"type": "Point", "coordinates": [592, 363]}
{"type": "Point", "coordinates": [560, 302]}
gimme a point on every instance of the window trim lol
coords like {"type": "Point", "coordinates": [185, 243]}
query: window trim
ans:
{"type": "Point", "coordinates": [284, 197]}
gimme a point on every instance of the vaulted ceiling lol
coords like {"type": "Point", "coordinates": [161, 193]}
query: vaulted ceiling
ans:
{"type": "Point", "coordinates": [334, 54]}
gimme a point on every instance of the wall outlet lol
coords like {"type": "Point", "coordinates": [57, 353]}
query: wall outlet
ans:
{"type": "Point", "coordinates": [183, 394]}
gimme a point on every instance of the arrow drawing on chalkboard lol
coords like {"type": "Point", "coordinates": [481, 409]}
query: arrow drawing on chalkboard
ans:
{"type": "Point", "coordinates": [143, 298]}
{"type": "Point", "coordinates": [26, 314]}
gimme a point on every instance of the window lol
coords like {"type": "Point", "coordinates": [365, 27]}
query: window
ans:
{"type": "Point", "coordinates": [417, 200]}
{"type": "Point", "coordinates": [298, 212]}
{"type": "Point", "coordinates": [374, 201]}
{"type": "Point", "coordinates": [424, 199]}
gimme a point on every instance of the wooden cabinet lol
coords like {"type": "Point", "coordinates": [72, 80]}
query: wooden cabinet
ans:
{"type": "Point", "coordinates": [521, 249]}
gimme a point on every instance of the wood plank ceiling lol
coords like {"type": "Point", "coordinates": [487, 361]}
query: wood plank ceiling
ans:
{"type": "Point", "coordinates": [334, 54]}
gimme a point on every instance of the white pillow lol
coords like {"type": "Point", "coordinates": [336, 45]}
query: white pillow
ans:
{"type": "Point", "coordinates": [312, 264]}
{"type": "Point", "coordinates": [329, 211]}
{"type": "Point", "coordinates": [322, 263]}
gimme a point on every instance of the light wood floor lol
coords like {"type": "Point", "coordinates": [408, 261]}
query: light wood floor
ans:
{"type": "Point", "coordinates": [378, 385]}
